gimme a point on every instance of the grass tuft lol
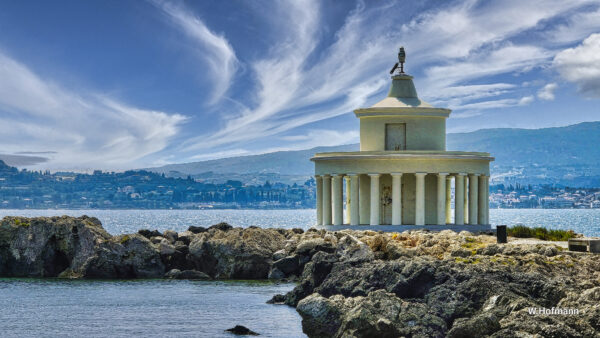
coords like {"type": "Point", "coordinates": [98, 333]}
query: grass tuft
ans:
{"type": "Point", "coordinates": [522, 231]}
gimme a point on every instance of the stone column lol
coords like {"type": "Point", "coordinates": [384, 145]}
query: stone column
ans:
{"type": "Point", "coordinates": [487, 199]}
{"type": "Point", "coordinates": [481, 201]}
{"type": "Point", "coordinates": [441, 198]}
{"type": "Point", "coordinates": [459, 199]}
{"type": "Point", "coordinates": [420, 199]}
{"type": "Point", "coordinates": [473, 200]}
{"type": "Point", "coordinates": [396, 198]}
{"type": "Point", "coordinates": [354, 204]}
{"type": "Point", "coordinates": [364, 202]}
{"type": "Point", "coordinates": [319, 181]}
{"type": "Point", "coordinates": [348, 198]}
{"type": "Point", "coordinates": [375, 199]}
{"type": "Point", "coordinates": [326, 200]}
{"type": "Point", "coordinates": [448, 199]}
{"type": "Point", "coordinates": [466, 200]}
{"type": "Point", "coordinates": [338, 206]}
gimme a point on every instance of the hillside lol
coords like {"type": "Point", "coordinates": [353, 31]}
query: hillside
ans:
{"type": "Point", "coordinates": [563, 155]}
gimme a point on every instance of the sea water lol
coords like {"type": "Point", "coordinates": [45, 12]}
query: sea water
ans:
{"type": "Point", "coordinates": [142, 308]}
{"type": "Point", "coordinates": [585, 221]}
{"type": "Point", "coordinates": [158, 308]}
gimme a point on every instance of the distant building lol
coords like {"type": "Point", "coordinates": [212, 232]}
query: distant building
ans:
{"type": "Point", "coordinates": [402, 173]}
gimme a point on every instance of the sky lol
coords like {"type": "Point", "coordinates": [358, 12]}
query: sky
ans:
{"type": "Point", "coordinates": [118, 85]}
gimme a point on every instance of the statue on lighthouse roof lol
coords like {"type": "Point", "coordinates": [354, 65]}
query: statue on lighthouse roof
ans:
{"type": "Point", "coordinates": [401, 60]}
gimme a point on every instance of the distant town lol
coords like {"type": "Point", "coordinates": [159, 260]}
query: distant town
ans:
{"type": "Point", "coordinates": [24, 189]}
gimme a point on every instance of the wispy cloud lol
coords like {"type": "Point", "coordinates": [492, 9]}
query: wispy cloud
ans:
{"type": "Point", "coordinates": [212, 49]}
{"type": "Point", "coordinates": [76, 128]}
{"type": "Point", "coordinates": [455, 45]}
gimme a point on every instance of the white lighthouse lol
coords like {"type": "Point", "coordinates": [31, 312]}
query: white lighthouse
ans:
{"type": "Point", "coordinates": [402, 174]}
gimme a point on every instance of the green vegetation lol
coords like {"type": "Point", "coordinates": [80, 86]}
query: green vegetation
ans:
{"type": "Point", "coordinates": [125, 239]}
{"type": "Point", "coordinates": [522, 231]}
{"type": "Point", "coordinates": [22, 224]}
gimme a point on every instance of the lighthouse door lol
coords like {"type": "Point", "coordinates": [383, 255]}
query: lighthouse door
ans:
{"type": "Point", "coordinates": [395, 136]}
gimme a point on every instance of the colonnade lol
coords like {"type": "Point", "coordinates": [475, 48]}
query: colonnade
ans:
{"type": "Point", "coordinates": [363, 199]}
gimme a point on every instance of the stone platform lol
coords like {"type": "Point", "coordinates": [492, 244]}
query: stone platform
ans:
{"type": "Point", "coordinates": [401, 228]}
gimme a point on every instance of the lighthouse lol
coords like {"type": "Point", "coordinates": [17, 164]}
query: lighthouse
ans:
{"type": "Point", "coordinates": [403, 174]}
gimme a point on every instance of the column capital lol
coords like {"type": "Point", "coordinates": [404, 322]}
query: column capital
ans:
{"type": "Point", "coordinates": [461, 174]}
{"type": "Point", "coordinates": [474, 174]}
{"type": "Point", "coordinates": [337, 175]}
{"type": "Point", "coordinates": [374, 175]}
{"type": "Point", "coordinates": [396, 174]}
{"type": "Point", "coordinates": [326, 176]}
{"type": "Point", "coordinates": [352, 175]}
{"type": "Point", "coordinates": [442, 174]}
{"type": "Point", "coordinates": [318, 176]}
{"type": "Point", "coordinates": [420, 174]}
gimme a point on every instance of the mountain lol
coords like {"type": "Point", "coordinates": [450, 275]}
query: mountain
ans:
{"type": "Point", "coordinates": [563, 155]}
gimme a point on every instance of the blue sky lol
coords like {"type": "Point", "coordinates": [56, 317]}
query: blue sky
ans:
{"type": "Point", "coordinates": [129, 84]}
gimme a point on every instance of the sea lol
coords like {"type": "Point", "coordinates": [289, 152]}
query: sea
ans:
{"type": "Point", "coordinates": [160, 308]}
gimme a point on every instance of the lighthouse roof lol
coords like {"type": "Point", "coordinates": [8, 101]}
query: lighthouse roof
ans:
{"type": "Point", "coordinates": [402, 94]}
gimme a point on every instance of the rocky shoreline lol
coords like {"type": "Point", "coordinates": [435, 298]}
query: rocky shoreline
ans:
{"type": "Point", "coordinates": [349, 283]}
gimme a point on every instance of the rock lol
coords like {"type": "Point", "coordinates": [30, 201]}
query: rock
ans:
{"type": "Point", "coordinates": [237, 253]}
{"type": "Point", "coordinates": [351, 249]}
{"type": "Point", "coordinates": [288, 265]}
{"type": "Point", "coordinates": [126, 256]}
{"type": "Point", "coordinates": [170, 235]}
{"type": "Point", "coordinates": [185, 237]}
{"type": "Point", "coordinates": [157, 239]}
{"type": "Point", "coordinates": [173, 273]}
{"type": "Point", "coordinates": [478, 326]}
{"type": "Point", "coordinates": [379, 314]}
{"type": "Point", "coordinates": [275, 273]}
{"type": "Point", "coordinates": [149, 233]}
{"type": "Point", "coordinates": [186, 274]}
{"type": "Point", "coordinates": [279, 254]}
{"type": "Point", "coordinates": [242, 331]}
{"type": "Point", "coordinates": [196, 229]}
{"type": "Point", "coordinates": [277, 299]}
{"type": "Point", "coordinates": [222, 226]}
{"type": "Point", "coordinates": [307, 246]}
{"type": "Point", "coordinates": [48, 246]}
{"type": "Point", "coordinates": [297, 231]}
{"type": "Point", "coordinates": [193, 274]}
{"type": "Point", "coordinates": [165, 248]}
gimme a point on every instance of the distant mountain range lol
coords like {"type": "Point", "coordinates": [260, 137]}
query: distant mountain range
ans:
{"type": "Point", "coordinates": [563, 155]}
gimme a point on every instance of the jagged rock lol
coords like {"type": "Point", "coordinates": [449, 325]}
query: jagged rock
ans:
{"type": "Point", "coordinates": [186, 274]}
{"type": "Point", "coordinates": [275, 273]}
{"type": "Point", "coordinates": [237, 253]}
{"type": "Point", "coordinates": [350, 249]}
{"type": "Point", "coordinates": [288, 265]}
{"type": "Point", "coordinates": [279, 254]}
{"type": "Point", "coordinates": [277, 299]}
{"type": "Point", "coordinates": [196, 229]}
{"type": "Point", "coordinates": [242, 331]}
{"type": "Point", "coordinates": [379, 314]}
{"type": "Point", "coordinates": [222, 226]}
{"type": "Point", "coordinates": [170, 235]}
{"type": "Point", "coordinates": [149, 233]}
{"type": "Point", "coordinates": [185, 237]}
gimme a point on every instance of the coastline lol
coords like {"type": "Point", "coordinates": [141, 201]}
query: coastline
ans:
{"type": "Point", "coordinates": [351, 283]}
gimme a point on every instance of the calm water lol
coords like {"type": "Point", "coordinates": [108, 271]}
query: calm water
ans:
{"type": "Point", "coordinates": [586, 221]}
{"type": "Point", "coordinates": [149, 308]}
{"type": "Point", "coordinates": [185, 308]}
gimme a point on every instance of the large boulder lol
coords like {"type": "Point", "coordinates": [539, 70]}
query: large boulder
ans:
{"type": "Point", "coordinates": [73, 248]}
{"type": "Point", "coordinates": [236, 253]}
{"type": "Point", "coordinates": [48, 246]}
